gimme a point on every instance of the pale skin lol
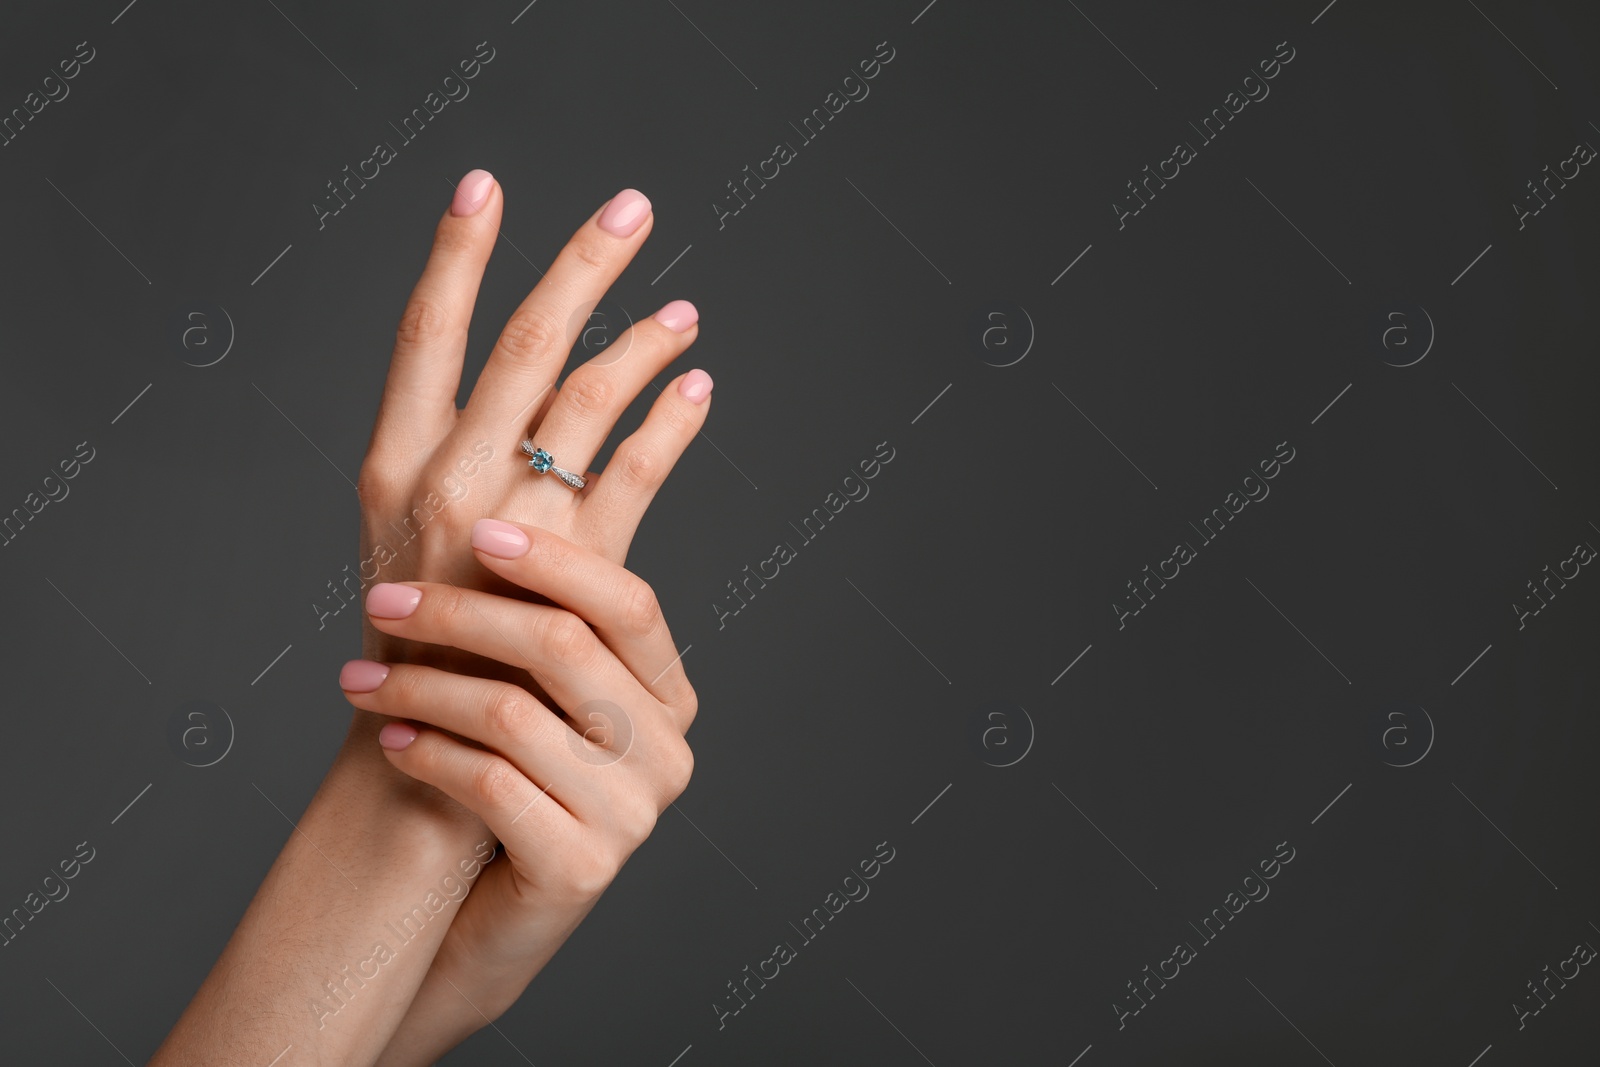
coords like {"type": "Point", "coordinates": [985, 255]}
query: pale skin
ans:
{"type": "Point", "coordinates": [522, 689]}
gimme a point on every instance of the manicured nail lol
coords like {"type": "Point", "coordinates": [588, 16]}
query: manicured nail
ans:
{"type": "Point", "coordinates": [389, 601]}
{"type": "Point", "coordinates": [396, 735]}
{"type": "Point", "coordinates": [362, 676]}
{"type": "Point", "coordinates": [472, 193]}
{"type": "Point", "coordinates": [695, 387]}
{"type": "Point", "coordinates": [677, 316]}
{"type": "Point", "coordinates": [625, 213]}
{"type": "Point", "coordinates": [499, 539]}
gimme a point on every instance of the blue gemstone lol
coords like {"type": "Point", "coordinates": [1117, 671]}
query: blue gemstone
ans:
{"type": "Point", "coordinates": [541, 461]}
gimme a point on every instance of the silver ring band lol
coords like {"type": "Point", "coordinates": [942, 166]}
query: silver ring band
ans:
{"type": "Point", "coordinates": [541, 461]}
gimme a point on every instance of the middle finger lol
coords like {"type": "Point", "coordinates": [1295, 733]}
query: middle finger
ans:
{"type": "Point", "coordinates": [537, 338]}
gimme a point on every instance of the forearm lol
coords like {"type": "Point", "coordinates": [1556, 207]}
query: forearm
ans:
{"type": "Point", "coordinates": [336, 941]}
{"type": "Point", "coordinates": [460, 996]}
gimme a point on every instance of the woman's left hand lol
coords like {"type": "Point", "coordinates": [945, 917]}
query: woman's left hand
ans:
{"type": "Point", "coordinates": [570, 791]}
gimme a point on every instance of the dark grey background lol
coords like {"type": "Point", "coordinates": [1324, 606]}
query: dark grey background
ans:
{"type": "Point", "coordinates": [1247, 705]}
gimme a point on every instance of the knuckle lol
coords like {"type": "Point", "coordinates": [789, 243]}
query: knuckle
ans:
{"type": "Point", "coordinates": [688, 704]}
{"type": "Point", "coordinates": [641, 609]}
{"type": "Point", "coordinates": [638, 819]}
{"type": "Point", "coordinates": [589, 393]}
{"type": "Point", "coordinates": [567, 639]}
{"type": "Point", "coordinates": [450, 608]}
{"type": "Point", "coordinates": [678, 770]}
{"type": "Point", "coordinates": [422, 322]}
{"type": "Point", "coordinates": [590, 869]}
{"type": "Point", "coordinates": [679, 418]}
{"type": "Point", "coordinates": [590, 254]}
{"type": "Point", "coordinates": [510, 716]}
{"type": "Point", "coordinates": [494, 783]}
{"type": "Point", "coordinates": [640, 468]}
{"type": "Point", "coordinates": [530, 334]}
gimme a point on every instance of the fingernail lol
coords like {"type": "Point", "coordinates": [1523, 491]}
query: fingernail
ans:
{"type": "Point", "coordinates": [396, 735]}
{"type": "Point", "coordinates": [677, 316]}
{"type": "Point", "coordinates": [499, 539]}
{"type": "Point", "coordinates": [362, 676]}
{"type": "Point", "coordinates": [472, 193]}
{"type": "Point", "coordinates": [389, 601]}
{"type": "Point", "coordinates": [625, 213]}
{"type": "Point", "coordinates": [695, 387]}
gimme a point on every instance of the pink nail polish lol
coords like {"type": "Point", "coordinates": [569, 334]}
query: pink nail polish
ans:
{"type": "Point", "coordinates": [499, 539]}
{"type": "Point", "coordinates": [472, 193]}
{"type": "Point", "coordinates": [362, 676]}
{"type": "Point", "coordinates": [677, 316]}
{"type": "Point", "coordinates": [389, 601]}
{"type": "Point", "coordinates": [396, 735]}
{"type": "Point", "coordinates": [695, 387]}
{"type": "Point", "coordinates": [625, 213]}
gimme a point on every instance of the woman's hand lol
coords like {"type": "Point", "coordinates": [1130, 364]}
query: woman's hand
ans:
{"type": "Point", "coordinates": [569, 797]}
{"type": "Point", "coordinates": [372, 842]}
{"type": "Point", "coordinates": [432, 470]}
